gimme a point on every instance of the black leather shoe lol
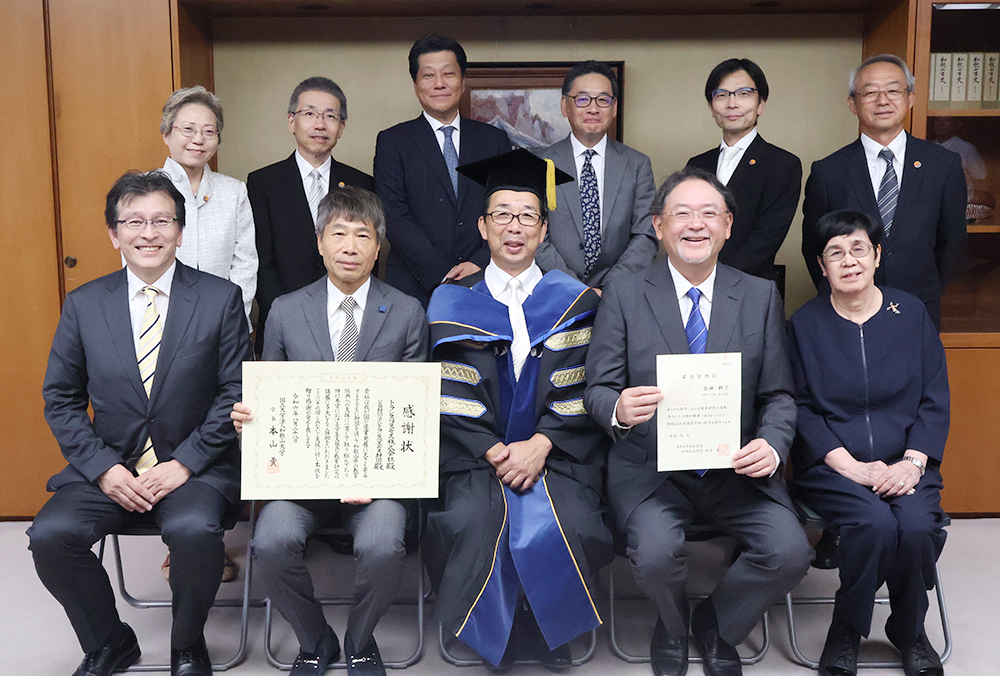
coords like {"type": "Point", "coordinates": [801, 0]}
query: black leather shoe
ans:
{"type": "Point", "coordinates": [919, 656]}
{"type": "Point", "coordinates": [669, 656]}
{"type": "Point", "coordinates": [557, 659]}
{"type": "Point", "coordinates": [327, 651]}
{"type": "Point", "coordinates": [826, 550]}
{"type": "Point", "coordinates": [365, 662]}
{"type": "Point", "coordinates": [721, 659]}
{"type": "Point", "coordinates": [840, 653]}
{"type": "Point", "coordinates": [117, 654]}
{"type": "Point", "coordinates": [191, 662]}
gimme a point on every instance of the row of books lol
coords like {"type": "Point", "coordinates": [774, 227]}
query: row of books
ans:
{"type": "Point", "coordinates": [965, 80]}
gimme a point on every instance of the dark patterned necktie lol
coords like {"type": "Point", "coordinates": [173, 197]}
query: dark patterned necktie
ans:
{"type": "Point", "coordinates": [888, 191]}
{"type": "Point", "coordinates": [349, 334]}
{"type": "Point", "coordinates": [451, 157]}
{"type": "Point", "coordinates": [591, 203]}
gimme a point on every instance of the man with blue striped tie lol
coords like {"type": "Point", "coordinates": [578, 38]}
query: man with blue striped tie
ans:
{"type": "Point", "coordinates": [691, 304]}
{"type": "Point", "coordinates": [156, 350]}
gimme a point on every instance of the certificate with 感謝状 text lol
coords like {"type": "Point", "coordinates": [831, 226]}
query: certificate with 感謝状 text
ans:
{"type": "Point", "coordinates": [698, 419]}
{"type": "Point", "coordinates": [328, 430]}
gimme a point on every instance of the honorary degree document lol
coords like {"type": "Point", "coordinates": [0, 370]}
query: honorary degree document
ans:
{"type": "Point", "coordinates": [698, 420]}
{"type": "Point", "coordinates": [341, 429]}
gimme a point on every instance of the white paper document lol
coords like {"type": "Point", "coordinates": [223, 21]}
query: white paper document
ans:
{"type": "Point", "coordinates": [698, 420]}
{"type": "Point", "coordinates": [327, 430]}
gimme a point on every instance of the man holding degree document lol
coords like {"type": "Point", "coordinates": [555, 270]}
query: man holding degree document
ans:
{"type": "Point", "coordinates": [513, 552]}
{"type": "Point", "coordinates": [689, 305]}
{"type": "Point", "coordinates": [347, 315]}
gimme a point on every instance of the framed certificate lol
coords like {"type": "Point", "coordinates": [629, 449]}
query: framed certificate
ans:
{"type": "Point", "coordinates": [698, 420]}
{"type": "Point", "coordinates": [328, 430]}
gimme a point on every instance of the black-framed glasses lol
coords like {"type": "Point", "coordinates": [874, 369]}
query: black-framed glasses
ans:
{"type": "Point", "coordinates": [312, 115]}
{"type": "Point", "coordinates": [741, 94]}
{"type": "Point", "coordinates": [190, 131]}
{"type": "Point", "coordinates": [140, 223]}
{"type": "Point", "coordinates": [873, 95]}
{"type": "Point", "coordinates": [858, 251]}
{"type": "Point", "coordinates": [525, 218]}
{"type": "Point", "coordinates": [583, 100]}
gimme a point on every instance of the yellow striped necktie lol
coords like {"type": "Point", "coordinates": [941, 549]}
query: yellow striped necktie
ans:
{"type": "Point", "coordinates": [150, 335]}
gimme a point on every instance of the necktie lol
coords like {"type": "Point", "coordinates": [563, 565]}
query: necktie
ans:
{"type": "Point", "coordinates": [591, 205]}
{"type": "Point", "coordinates": [697, 333]}
{"type": "Point", "coordinates": [315, 192]}
{"type": "Point", "coordinates": [726, 169]}
{"type": "Point", "coordinates": [888, 191]}
{"type": "Point", "coordinates": [520, 345]}
{"type": "Point", "coordinates": [451, 157]}
{"type": "Point", "coordinates": [349, 334]}
{"type": "Point", "coordinates": [150, 335]}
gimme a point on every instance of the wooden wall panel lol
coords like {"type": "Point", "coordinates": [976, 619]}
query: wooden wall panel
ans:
{"type": "Point", "coordinates": [29, 276]}
{"type": "Point", "coordinates": [111, 73]}
{"type": "Point", "coordinates": [969, 466]}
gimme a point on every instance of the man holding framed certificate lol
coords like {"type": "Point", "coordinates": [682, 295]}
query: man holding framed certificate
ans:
{"type": "Point", "coordinates": [348, 315]}
{"type": "Point", "coordinates": [691, 307]}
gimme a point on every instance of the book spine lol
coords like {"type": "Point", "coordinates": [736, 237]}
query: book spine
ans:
{"type": "Point", "coordinates": [974, 92]}
{"type": "Point", "coordinates": [991, 76]}
{"type": "Point", "coordinates": [959, 79]}
{"type": "Point", "coordinates": [942, 76]}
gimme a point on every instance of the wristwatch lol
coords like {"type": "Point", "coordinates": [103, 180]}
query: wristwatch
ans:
{"type": "Point", "coordinates": [916, 461]}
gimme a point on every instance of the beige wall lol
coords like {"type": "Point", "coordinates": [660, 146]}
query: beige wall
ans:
{"type": "Point", "coordinates": [806, 59]}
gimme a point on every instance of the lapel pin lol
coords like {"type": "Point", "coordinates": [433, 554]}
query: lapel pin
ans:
{"type": "Point", "coordinates": [206, 198]}
{"type": "Point", "coordinates": [753, 162]}
{"type": "Point", "coordinates": [340, 185]}
{"type": "Point", "coordinates": [382, 308]}
{"type": "Point", "coordinates": [917, 164]}
{"type": "Point", "coordinates": [894, 308]}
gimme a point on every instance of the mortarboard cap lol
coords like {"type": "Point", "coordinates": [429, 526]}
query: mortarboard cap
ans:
{"type": "Point", "coordinates": [518, 170]}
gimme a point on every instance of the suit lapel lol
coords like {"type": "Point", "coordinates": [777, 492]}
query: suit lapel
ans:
{"type": "Point", "coordinates": [316, 317]}
{"type": "Point", "coordinates": [183, 301]}
{"type": "Point", "coordinates": [292, 196]}
{"type": "Point", "coordinates": [861, 179]}
{"type": "Point", "coordinates": [662, 298]}
{"type": "Point", "coordinates": [426, 140]}
{"type": "Point", "coordinates": [562, 156]}
{"type": "Point", "coordinates": [725, 309]}
{"type": "Point", "coordinates": [116, 314]}
{"type": "Point", "coordinates": [614, 173]}
{"type": "Point", "coordinates": [909, 183]}
{"type": "Point", "coordinates": [376, 310]}
{"type": "Point", "coordinates": [746, 170]}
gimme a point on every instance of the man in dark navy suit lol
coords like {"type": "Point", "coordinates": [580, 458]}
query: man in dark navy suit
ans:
{"type": "Point", "coordinates": [285, 195]}
{"type": "Point", "coordinates": [764, 179]}
{"type": "Point", "coordinates": [431, 211]}
{"type": "Point", "coordinates": [916, 189]}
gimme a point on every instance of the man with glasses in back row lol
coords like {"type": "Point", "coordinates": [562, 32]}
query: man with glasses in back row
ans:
{"type": "Point", "coordinates": [764, 179]}
{"type": "Point", "coordinates": [604, 229]}
{"type": "Point", "coordinates": [916, 189]}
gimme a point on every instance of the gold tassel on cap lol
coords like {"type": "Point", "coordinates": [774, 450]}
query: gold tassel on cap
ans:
{"type": "Point", "coordinates": [550, 184]}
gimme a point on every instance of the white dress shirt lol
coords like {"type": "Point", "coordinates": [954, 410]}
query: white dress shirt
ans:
{"type": "Point", "coordinates": [137, 300]}
{"type": "Point", "coordinates": [334, 297]}
{"type": "Point", "coordinates": [682, 286]}
{"type": "Point", "coordinates": [876, 165]}
{"type": "Point", "coordinates": [498, 282]}
{"type": "Point", "coordinates": [456, 135]}
{"type": "Point", "coordinates": [305, 169]}
{"type": "Point", "coordinates": [730, 156]}
{"type": "Point", "coordinates": [218, 229]}
{"type": "Point", "coordinates": [597, 161]}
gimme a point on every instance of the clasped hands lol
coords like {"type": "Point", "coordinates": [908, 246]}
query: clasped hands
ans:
{"type": "Point", "coordinates": [520, 464]}
{"type": "Point", "coordinates": [242, 414]}
{"type": "Point", "coordinates": [140, 493]}
{"type": "Point", "coordinates": [889, 481]}
{"type": "Point", "coordinates": [638, 404]}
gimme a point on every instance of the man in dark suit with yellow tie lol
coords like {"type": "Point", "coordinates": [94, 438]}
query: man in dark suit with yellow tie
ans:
{"type": "Point", "coordinates": [156, 349]}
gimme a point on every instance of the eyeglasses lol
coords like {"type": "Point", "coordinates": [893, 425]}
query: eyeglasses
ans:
{"type": "Point", "coordinates": [858, 251]}
{"type": "Point", "coordinates": [526, 218]}
{"type": "Point", "coordinates": [707, 216]}
{"type": "Point", "coordinates": [313, 115]}
{"type": "Point", "coordinates": [583, 100]}
{"type": "Point", "coordinates": [190, 131]}
{"type": "Point", "coordinates": [741, 94]}
{"type": "Point", "coordinates": [873, 96]}
{"type": "Point", "coordinates": [140, 223]}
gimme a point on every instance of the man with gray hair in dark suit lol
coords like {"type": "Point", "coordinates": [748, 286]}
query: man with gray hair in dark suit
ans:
{"type": "Point", "coordinates": [603, 229]}
{"type": "Point", "coordinates": [348, 315]}
{"type": "Point", "coordinates": [690, 304]}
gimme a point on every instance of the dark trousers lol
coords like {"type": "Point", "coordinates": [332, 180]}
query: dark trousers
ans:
{"type": "Point", "coordinates": [279, 547]}
{"type": "Point", "coordinates": [895, 541]}
{"type": "Point", "coordinates": [79, 514]}
{"type": "Point", "coordinates": [775, 553]}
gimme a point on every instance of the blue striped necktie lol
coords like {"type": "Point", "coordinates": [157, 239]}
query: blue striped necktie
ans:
{"type": "Point", "coordinates": [697, 333]}
{"type": "Point", "coordinates": [888, 191]}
